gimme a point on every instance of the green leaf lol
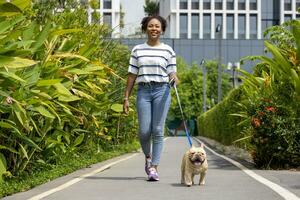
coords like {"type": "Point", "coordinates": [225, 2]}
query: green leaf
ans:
{"type": "Point", "coordinates": [41, 94]}
{"type": "Point", "coordinates": [8, 24]}
{"type": "Point", "coordinates": [296, 33]}
{"type": "Point", "coordinates": [79, 140]}
{"type": "Point", "coordinates": [65, 31]}
{"type": "Point", "coordinates": [68, 98]}
{"type": "Point", "coordinates": [117, 108]}
{"type": "Point", "coordinates": [103, 81]}
{"type": "Point", "coordinates": [2, 166]}
{"type": "Point", "coordinates": [79, 71]}
{"type": "Point", "coordinates": [12, 75]}
{"type": "Point", "coordinates": [42, 37]}
{"type": "Point", "coordinates": [82, 94]}
{"type": "Point", "coordinates": [5, 125]}
{"type": "Point", "coordinates": [8, 148]}
{"type": "Point", "coordinates": [69, 55]}
{"type": "Point", "coordinates": [95, 88]}
{"type": "Point", "coordinates": [19, 117]}
{"type": "Point", "coordinates": [30, 142]}
{"type": "Point", "coordinates": [48, 82]}
{"type": "Point", "coordinates": [43, 111]}
{"type": "Point", "coordinates": [15, 62]}
{"type": "Point", "coordinates": [23, 150]}
{"type": "Point", "coordinates": [61, 89]}
{"type": "Point", "coordinates": [281, 61]}
{"type": "Point", "coordinates": [22, 4]}
{"type": "Point", "coordinates": [9, 9]}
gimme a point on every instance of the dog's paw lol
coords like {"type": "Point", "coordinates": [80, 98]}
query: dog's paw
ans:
{"type": "Point", "coordinates": [189, 184]}
{"type": "Point", "coordinates": [202, 183]}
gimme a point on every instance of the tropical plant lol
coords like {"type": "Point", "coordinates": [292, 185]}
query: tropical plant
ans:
{"type": "Point", "coordinates": [272, 101]}
{"type": "Point", "coordinates": [57, 94]}
{"type": "Point", "coordinates": [151, 7]}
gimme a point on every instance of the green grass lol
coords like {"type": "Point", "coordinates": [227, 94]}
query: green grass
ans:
{"type": "Point", "coordinates": [43, 173]}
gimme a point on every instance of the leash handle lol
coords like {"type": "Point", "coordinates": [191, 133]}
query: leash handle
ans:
{"type": "Point", "coordinates": [182, 115]}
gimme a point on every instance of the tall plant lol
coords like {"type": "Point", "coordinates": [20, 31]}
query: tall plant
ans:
{"type": "Point", "coordinates": [56, 92]}
{"type": "Point", "coordinates": [272, 103]}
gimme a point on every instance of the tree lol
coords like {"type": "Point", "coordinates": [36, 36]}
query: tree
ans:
{"type": "Point", "coordinates": [151, 8]}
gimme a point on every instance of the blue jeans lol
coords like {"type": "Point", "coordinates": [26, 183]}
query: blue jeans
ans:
{"type": "Point", "coordinates": [153, 102]}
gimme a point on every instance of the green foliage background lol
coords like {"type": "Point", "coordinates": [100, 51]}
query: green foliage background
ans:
{"type": "Point", "coordinates": [190, 89]}
{"type": "Point", "coordinates": [60, 86]}
{"type": "Point", "coordinates": [263, 114]}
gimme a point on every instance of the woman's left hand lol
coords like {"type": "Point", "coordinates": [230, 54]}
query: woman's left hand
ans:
{"type": "Point", "coordinates": [174, 76]}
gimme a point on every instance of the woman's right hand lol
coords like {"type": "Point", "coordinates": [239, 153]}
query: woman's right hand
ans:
{"type": "Point", "coordinates": [126, 106]}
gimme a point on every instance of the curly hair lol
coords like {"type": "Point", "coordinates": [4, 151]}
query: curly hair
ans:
{"type": "Point", "coordinates": [147, 19]}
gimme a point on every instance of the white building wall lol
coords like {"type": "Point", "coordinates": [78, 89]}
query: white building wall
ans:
{"type": "Point", "coordinates": [293, 12]}
{"type": "Point", "coordinates": [175, 14]}
{"type": "Point", "coordinates": [115, 15]}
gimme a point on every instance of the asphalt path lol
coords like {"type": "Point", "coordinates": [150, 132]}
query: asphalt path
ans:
{"type": "Point", "coordinates": [123, 178]}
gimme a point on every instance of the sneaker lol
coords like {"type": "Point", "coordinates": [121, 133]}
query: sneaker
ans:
{"type": "Point", "coordinates": [147, 165]}
{"type": "Point", "coordinates": [153, 175]}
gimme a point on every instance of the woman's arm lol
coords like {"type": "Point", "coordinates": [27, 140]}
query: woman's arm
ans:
{"type": "Point", "coordinates": [130, 83]}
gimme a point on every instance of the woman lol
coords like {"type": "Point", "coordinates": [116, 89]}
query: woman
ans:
{"type": "Point", "coordinates": [152, 65]}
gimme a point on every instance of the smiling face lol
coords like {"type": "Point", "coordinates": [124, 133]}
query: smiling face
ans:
{"type": "Point", "coordinates": [197, 155]}
{"type": "Point", "coordinates": [154, 29]}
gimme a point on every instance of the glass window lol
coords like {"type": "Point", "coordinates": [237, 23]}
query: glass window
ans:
{"type": "Point", "coordinates": [230, 4]}
{"type": "Point", "coordinates": [297, 4]}
{"type": "Point", "coordinates": [206, 4]}
{"type": "Point", "coordinates": [107, 19]}
{"type": "Point", "coordinates": [206, 26]}
{"type": "Point", "coordinates": [195, 26]}
{"type": "Point", "coordinates": [253, 26]}
{"type": "Point", "coordinates": [218, 19]}
{"type": "Point", "coordinates": [287, 5]}
{"type": "Point", "coordinates": [195, 4]}
{"type": "Point", "coordinates": [242, 26]}
{"type": "Point", "coordinates": [218, 5]}
{"type": "Point", "coordinates": [287, 17]}
{"type": "Point", "coordinates": [183, 25]}
{"type": "Point", "coordinates": [298, 16]}
{"type": "Point", "coordinates": [107, 4]}
{"type": "Point", "coordinates": [253, 4]}
{"type": "Point", "coordinates": [230, 26]}
{"type": "Point", "coordinates": [242, 5]}
{"type": "Point", "coordinates": [183, 4]}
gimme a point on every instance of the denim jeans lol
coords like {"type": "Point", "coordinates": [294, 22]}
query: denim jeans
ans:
{"type": "Point", "coordinates": [153, 102]}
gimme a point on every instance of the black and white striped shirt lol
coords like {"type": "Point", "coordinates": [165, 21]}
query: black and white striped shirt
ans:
{"type": "Point", "coordinates": [152, 63]}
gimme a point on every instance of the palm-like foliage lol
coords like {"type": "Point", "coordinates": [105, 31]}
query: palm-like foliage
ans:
{"type": "Point", "coordinates": [54, 88]}
{"type": "Point", "coordinates": [272, 101]}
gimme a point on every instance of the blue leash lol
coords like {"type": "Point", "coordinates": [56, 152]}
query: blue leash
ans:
{"type": "Point", "coordinates": [185, 127]}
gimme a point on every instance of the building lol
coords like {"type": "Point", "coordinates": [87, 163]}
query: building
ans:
{"type": "Point", "coordinates": [239, 19]}
{"type": "Point", "coordinates": [110, 12]}
{"type": "Point", "coordinates": [223, 30]}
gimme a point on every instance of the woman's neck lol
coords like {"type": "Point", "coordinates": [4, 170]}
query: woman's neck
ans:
{"type": "Point", "coordinates": [153, 42]}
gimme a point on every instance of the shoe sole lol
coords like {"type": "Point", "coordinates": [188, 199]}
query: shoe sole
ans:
{"type": "Point", "coordinates": [153, 179]}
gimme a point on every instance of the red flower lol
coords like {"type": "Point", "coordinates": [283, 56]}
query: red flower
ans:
{"type": "Point", "coordinates": [270, 108]}
{"type": "Point", "coordinates": [255, 122]}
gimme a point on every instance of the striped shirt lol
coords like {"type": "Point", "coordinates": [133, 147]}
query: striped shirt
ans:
{"type": "Point", "coordinates": [152, 63]}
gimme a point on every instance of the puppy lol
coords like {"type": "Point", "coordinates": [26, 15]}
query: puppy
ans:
{"type": "Point", "coordinates": [194, 162]}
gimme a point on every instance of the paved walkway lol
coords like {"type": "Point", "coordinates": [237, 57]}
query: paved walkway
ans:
{"type": "Point", "coordinates": [125, 180]}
